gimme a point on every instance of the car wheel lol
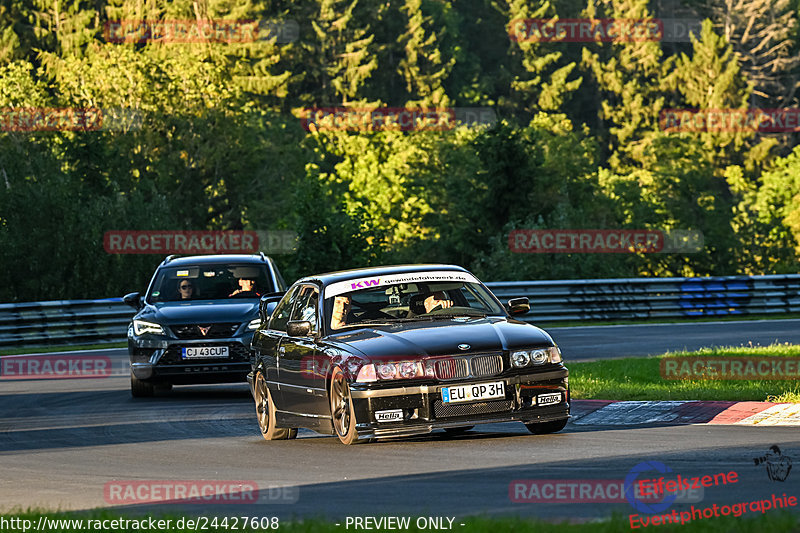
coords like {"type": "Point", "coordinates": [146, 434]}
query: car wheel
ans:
{"type": "Point", "coordinates": [540, 428]}
{"type": "Point", "coordinates": [457, 431]}
{"type": "Point", "coordinates": [265, 411]}
{"type": "Point", "coordinates": [141, 389]}
{"type": "Point", "coordinates": [342, 412]}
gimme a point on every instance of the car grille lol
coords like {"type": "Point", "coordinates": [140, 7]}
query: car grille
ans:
{"type": "Point", "coordinates": [217, 331]}
{"type": "Point", "coordinates": [237, 353]}
{"type": "Point", "coordinates": [452, 368]}
{"type": "Point", "coordinates": [486, 365]}
{"type": "Point", "coordinates": [443, 410]}
{"type": "Point", "coordinates": [478, 366]}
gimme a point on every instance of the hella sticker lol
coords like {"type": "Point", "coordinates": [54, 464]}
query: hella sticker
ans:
{"type": "Point", "coordinates": [391, 415]}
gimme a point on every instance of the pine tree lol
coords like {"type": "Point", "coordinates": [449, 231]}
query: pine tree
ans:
{"type": "Point", "coordinates": [542, 84]}
{"type": "Point", "coordinates": [633, 79]}
{"type": "Point", "coordinates": [423, 66]}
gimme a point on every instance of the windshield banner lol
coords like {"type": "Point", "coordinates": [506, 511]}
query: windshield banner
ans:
{"type": "Point", "coordinates": [341, 287]}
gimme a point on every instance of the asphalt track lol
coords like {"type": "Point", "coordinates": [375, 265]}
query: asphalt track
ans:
{"type": "Point", "coordinates": [62, 442]}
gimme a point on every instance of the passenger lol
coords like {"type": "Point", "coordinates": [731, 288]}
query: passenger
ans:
{"type": "Point", "coordinates": [185, 289]}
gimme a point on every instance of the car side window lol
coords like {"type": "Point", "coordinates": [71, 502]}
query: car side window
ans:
{"type": "Point", "coordinates": [284, 310]}
{"type": "Point", "coordinates": [306, 308]}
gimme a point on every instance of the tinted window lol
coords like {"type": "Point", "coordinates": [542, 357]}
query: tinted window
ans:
{"type": "Point", "coordinates": [210, 282]}
{"type": "Point", "coordinates": [284, 310]}
{"type": "Point", "coordinates": [306, 308]}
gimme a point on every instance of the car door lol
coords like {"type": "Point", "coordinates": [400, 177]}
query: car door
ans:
{"type": "Point", "coordinates": [267, 342]}
{"type": "Point", "coordinates": [301, 383]}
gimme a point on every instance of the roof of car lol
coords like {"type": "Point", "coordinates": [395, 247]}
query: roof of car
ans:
{"type": "Point", "coordinates": [211, 259]}
{"type": "Point", "coordinates": [342, 275]}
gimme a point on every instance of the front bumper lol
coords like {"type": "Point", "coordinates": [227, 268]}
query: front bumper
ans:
{"type": "Point", "coordinates": [423, 409]}
{"type": "Point", "coordinates": [159, 360]}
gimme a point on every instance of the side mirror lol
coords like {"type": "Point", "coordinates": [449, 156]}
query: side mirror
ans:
{"type": "Point", "coordinates": [134, 299]}
{"type": "Point", "coordinates": [518, 306]}
{"type": "Point", "coordinates": [268, 304]}
{"type": "Point", "coordinates": [298, 328]}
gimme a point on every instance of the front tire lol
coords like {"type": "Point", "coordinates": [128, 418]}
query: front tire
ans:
{"type": "Point", "coordinates": [265, 412]}
{"type": "Point", "coordinates": [342, 412]}
{"type": "Point", "coordinates": [542, 428]}
{"type": "Point", "coordinates": [141, 389]}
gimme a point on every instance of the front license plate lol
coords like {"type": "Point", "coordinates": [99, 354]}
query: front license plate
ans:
{"type": "Point", "coordinates": [201, 352]}
{"type": "Point", "coordinates": [548, 399]}
{"type": "Point", "coordinates": [471, 393]}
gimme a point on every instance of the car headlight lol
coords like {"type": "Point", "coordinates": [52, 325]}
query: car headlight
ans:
{"type": "Point", "coordinates": [537, 356]}
{"type": "Point", "coordinates": [141, 327]}
{"type": "Point", "coordinates": [392, 370]}
{"type": "Point", "coordinates": [520, 359]}
{"type": "Point", "coordinates": [254, 324]}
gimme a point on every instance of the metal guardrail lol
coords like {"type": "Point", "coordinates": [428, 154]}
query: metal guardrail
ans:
{"type": "Point", "coordinates": [64, 322]}
{"type": "Point", "coordinates": [103, 321]}
{"type": "Point", "coordinates": [654, 298]}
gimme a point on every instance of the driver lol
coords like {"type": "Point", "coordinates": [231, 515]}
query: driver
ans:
{"type": "Point", "coordinates": [341, 309]}
{"type": "Point", "coordinates": [245, 285]}
{"type": "Point", "coordinates": [437, 300]}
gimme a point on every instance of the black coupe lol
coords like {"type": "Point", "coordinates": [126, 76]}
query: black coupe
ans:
{"type": "Point", "coordinates": [398, 351]}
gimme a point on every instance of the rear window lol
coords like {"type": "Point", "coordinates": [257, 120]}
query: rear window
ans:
{"type": "Point", "coordinates": [210, 282]}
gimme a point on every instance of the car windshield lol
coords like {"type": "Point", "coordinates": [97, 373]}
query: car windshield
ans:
{"type": "Point", "coordinates": [402, 302]}
{"type": "Point", "coordinates": [210, 282]}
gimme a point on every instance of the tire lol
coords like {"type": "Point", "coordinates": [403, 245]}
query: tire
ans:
{"type": "Point", "coordinates": [342, 412]}
{"type": "Point", "coordinates": [457, 431]}
{"type": "Point", "coordinates": [265, 412]}
{"type": "Point", "coordinates": [141, 389]}
{"type": "Point", "coordinates": [541, 428]}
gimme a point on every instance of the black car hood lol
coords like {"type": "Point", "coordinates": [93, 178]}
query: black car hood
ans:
{"type": "Point", "coordinates": [199, 312]}
{"type": "Point", "coordinates": [442, 337]}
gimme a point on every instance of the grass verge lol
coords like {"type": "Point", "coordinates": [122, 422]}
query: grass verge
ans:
{"type": "Point", "coordinates": [640, 379]}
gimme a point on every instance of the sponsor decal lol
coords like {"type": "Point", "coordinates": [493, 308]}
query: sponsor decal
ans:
{"type": "Point", "coordinates": [753, 119]}
{"type": "Point", "coordinates": [391, 415]}
{"type": "Point", "coordinates": [342, 287]}
{"type": "Point", "coordinates": [394, 118]}
{"type": "Point", "coordinates": [54, 366]}
{"type": "Point", "coordinates": [200, 31]}
{"type": "Point", "coordinates": [730, 368]}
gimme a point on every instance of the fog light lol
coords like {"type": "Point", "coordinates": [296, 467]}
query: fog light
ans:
{"type": "Point", "coordinates": [520, 359]}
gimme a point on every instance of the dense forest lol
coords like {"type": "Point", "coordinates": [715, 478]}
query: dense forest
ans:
{"type": "Point", "coordinates": [219, 143]}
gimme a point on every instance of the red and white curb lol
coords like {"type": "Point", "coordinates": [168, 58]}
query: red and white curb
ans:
{"type": "Point", "coordinates": [611, 413]}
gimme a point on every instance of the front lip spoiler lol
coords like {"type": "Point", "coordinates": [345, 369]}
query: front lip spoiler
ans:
{"type": "Point", "coordinates": [424, 429]}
